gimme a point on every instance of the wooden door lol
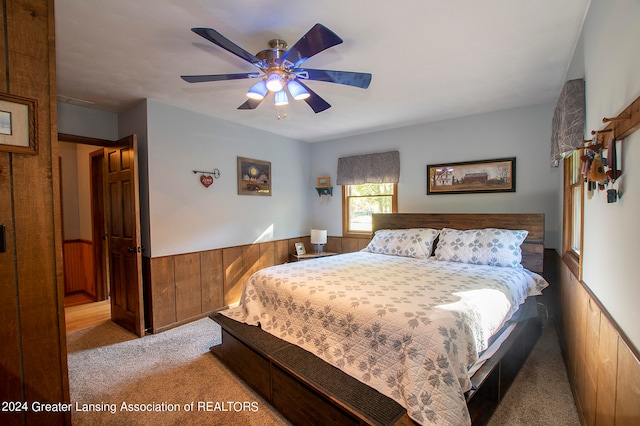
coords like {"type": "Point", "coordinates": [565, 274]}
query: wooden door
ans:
{"type": "Point", "coordinates": [123, 232]}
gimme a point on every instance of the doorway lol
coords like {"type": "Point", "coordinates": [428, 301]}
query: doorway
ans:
{"type": "Point", "coordinates": [102, 253]}
{"type": "Point", "coordinates": [82, 203]}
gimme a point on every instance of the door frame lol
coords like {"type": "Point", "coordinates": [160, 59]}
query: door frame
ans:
{"type": "Point", "coordinates": [98, 225]}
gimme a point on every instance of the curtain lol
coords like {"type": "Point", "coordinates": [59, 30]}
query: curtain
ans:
{"type": "Point", "coordinates": [382, 167]}
{"type": "Point", "coordinates": [567, 127]}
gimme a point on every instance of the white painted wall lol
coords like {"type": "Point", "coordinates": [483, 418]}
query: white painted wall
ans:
{"type": "Point", "coordinates": [611, 232]}
{"type": "Point", "coordinates": [523, 133]}
{"type": "Point", "coordinates": [88, 122]}
{"type": "Point", "coordinates": [184, 216]}
{"type": "Point", "coordinates": [76, 190]}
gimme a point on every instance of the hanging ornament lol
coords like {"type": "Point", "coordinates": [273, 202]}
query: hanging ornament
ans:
{"type": "Point", "coordinates": [206, 180]}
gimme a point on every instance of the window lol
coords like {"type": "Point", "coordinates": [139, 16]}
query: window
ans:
{"type": "Point", "coordinates": [359, 202]}
{"type": "Point", "coordinates": [572, 212]}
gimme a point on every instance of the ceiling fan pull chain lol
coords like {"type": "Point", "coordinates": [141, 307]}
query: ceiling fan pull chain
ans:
{"type": "Point", "coordinates": [283, 114]}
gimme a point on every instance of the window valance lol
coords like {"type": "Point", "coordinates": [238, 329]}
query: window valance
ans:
{"type": "Point", "coordinates": [382, 167]}
{"type": "Point", "coordinates": [567, 127]}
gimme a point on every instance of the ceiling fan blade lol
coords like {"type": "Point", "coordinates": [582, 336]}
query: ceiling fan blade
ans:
{"type": "Point", "coordinates": [218, 77]}
{"type": "Point", "coordinates": [317, 39]}
{"type": "Point", "coordinates": [217, 38]}
{"type": "Point", "coordinates": [356, 79]}
{"type": "Point", "coordinates": [316, 103]}
{"type": "Point", "coordinates": [250, 104]}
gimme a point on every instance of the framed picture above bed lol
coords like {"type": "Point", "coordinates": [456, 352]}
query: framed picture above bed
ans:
{"type": "Point", "coordinates": [254, 177]}
{"type": "Point", "coordinates": [498, 175]}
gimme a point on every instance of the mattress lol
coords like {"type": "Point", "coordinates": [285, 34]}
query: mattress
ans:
{"type": "Point", "coordinates": [409, 328]}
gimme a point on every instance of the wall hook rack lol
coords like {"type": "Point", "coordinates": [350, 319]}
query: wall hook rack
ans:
{"type": "Point", "coordinates": [618, 127]}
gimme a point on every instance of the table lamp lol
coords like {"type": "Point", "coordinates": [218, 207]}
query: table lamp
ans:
{"type": "Point", "coordinates": [319, 239]}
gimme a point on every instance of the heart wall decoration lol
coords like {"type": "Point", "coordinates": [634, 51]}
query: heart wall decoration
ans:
{"type": "Point", "coordinates": [207, 177]}
{"type": "Point", "coordinates": [206, 180]}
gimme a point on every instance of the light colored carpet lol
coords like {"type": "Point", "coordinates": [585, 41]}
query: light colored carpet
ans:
{"type": "Point", "coordinates": [540, 394]}
{"type": "Point", "coordinates": [109, 367]}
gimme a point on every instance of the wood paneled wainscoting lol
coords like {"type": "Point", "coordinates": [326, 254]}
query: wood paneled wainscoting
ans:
{"type": "Point", "coordinates": [603, 366]}
{"type": "Point", "coordinates": [79, 268]}
{"type": "Point", "coordinates": [184, 287]}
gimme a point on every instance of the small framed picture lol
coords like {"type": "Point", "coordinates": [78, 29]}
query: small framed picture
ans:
{"type": "Point", "coordinates": [254, 177]}
{"type": "Point", "coordinates": [18, 126]}
{"type": "Point", "coordinates": [323, 182]}
{"type": "Point", "coordinates": [300, 249]}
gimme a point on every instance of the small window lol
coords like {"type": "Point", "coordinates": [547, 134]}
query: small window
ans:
{"type": "Point", "coordinates": [572, 216]}
{"type": "Point", "coordinates": [359, 202]}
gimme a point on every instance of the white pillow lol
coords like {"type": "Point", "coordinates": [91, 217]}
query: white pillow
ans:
{"type": "Point", "coordinates": [490, 246]}
{"type": "Point", "coordinates": [416, 242]}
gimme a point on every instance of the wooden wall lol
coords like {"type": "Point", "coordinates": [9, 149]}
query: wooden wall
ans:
{"type": "Point", "coordinates": [33, 361]}
{"type": "Point", "coordinates": [79, 268]}
{"type": "Point", "coordinates": [603, 368]}
{"type": "Point", "coordinates": [186, 287]}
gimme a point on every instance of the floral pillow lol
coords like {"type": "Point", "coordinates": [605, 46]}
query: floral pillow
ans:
{"type": "Point", "coordinates": [416, 242]}
{"type": "Point", "coordinates": [490, 246]}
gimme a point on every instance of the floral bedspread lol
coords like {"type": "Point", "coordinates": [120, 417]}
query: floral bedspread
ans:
{"type": "Point", "coordinates": [409, 328]}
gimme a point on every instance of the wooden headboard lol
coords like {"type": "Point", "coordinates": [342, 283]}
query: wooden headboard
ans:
{"type": "Point", "coordinates": [532, 247]}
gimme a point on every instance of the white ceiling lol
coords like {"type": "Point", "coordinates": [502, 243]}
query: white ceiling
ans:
{"type": "Point", "coordinates": [430, 59]}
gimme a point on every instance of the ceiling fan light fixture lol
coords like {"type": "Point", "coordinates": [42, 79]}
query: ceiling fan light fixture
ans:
{"type": "Point", "coordinates": [258, 91]}
{"type": "Point", "coordinates": [274, 82]}
{"type": "Point", "coordinates": [281, 98]}
{"type": "Point", "coordinates": [279, 65]}
{"type": "Point", "coordinates": [297, 90]}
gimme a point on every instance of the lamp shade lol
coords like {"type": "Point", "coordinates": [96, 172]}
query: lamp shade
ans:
{"type": "Point", "coordinates": [281, 98]}
{"type": "Point", "coordinates": [258, 91]}
{"type": "Point", "coordinates": [318, 236]}
{"type": "Point", "coordinates": [274, 82]}
{"type": "Point", "coordinates": [297, 90]}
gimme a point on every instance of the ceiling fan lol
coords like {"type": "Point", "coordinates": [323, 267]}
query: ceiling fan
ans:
{"type": "Point", "coordinates": [280, 69]}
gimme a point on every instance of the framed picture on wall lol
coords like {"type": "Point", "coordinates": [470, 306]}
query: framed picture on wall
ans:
{"type": "Point", "coordinates": [18, 124]}
{"type": "Point", "coordinates": [323, 182]}
{"type": "Point", "coordinates": [497, 175]}
{"type": "Point", "coordinates": [254, 177]}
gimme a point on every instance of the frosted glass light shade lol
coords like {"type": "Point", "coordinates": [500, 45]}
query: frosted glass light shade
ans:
{"type": "Point", "coordinates": [281, 98]}
{"type": "Point", "coordinates": [297, 90]}
{"type": "Point", "coordinates": [318, 236]}
{"type": "Point", "coordinates": [258, 91]}
{"type": "Point", "coordinates": [274, 82]}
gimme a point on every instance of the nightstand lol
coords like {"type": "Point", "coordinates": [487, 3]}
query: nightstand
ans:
{"type": "Point", "coordinates": [307, 256]}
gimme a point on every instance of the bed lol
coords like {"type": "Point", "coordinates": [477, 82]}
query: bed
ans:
{"type": "Point", "coordinates": [408, 322]}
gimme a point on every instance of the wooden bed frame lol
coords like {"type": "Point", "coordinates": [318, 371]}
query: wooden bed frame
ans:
{"type": "Point", "coordinates": [307, 390]}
